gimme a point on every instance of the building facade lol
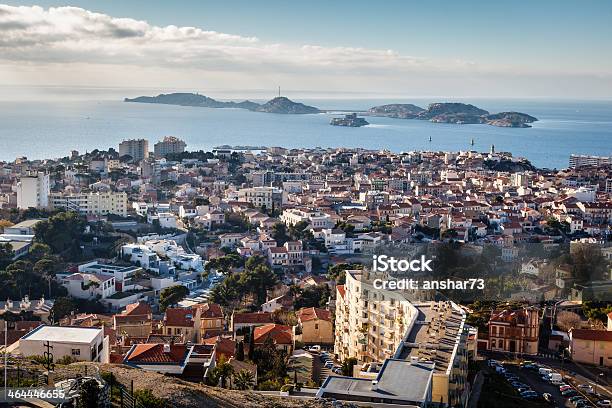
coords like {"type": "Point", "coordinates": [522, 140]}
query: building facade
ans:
{"type": "Point", "coordinates": [33, 191]}
{"type": "Point", "coordinates": [98, 203]}
{"type": "Point", "coordinates": [138, 149]}
{"type": "Point", "coordinates": [169, 145]}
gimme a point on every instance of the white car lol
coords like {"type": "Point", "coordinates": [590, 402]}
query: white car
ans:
{"type": "Point", "coordinates": [604, 403]}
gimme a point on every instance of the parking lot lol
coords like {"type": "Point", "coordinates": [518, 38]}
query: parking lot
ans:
{"type": "Point", "coordinates": [529, 376]}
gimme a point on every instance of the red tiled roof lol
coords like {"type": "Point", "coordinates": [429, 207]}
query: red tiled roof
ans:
{"type": "Point", "coordinates": [279, 333]}
{"type": "Point", "coordinates": [136, 309]}
{"type": "Point", "coordinates": [257, 317]}
{"type": "Point", "coordinates": [154, 353]}
{"type": "Point", "coordinates": [341, 290]}
{"type": "Point", "coordinates": [177, 317]}
{"type": "Point", "coordinates": [312, 313]}
{"type": "Point", "coordinates": [586, 334]}
{"type": "Point", "coordinates": [210, 310]}
{"type": "Point", "coordinates": [225, 347]}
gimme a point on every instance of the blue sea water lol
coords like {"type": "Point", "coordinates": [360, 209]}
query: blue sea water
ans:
{"type": "Point", "coordinates": [50, 128]}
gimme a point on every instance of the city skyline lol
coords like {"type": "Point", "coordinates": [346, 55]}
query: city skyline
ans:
{"type": "Point", "coordinates": [407, 49]}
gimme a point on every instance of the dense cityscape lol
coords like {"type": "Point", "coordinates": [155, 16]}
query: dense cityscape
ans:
{"type": "Point", "coordinates": [243, 277]}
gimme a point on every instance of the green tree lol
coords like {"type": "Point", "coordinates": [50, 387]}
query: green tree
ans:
{"type": "Point", "coordinates": [258, 281]}
{"type": "Point", "coordinates": [279, 233]}
{"type": "Point", "coordinates": [148, 400]}
{"type": "Point", "coordinates": [39, 250]}
{"type": "Point", "coordinates": [172, 295]}
{"type": "Point", "coordinates": [240, 351]}
{"type": "Point", "coordinates": [89, 394]}
{"type": "Point", "coordinates": [61, 232]}
{"type": "Point", "coordinates": [62, 307]}
{"type": "Point", "coordinates": [243, 380]}
{"type": "Point", "coordinates": [6, 254]}
{"type": "Point", "coordinates": [347, 366]}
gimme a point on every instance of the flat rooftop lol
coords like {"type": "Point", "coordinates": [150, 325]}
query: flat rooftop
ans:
{"type": "Point", "coordinates": [63, 334]}
{"type": "Point", "coordinates": [391, 383]}
{"type": "Point", "coordinates": [435, 334]}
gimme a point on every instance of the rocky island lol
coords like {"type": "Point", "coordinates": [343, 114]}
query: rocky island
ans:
{"type": "Point", "coordinates": [284, 105]}
{"type": "Point", "coordinates": [350, 120]}
{"type": "Point", "coordinates": [396, 110]}
{"type": "Point", "coordinates": [458, 113]}
{"type": "Point", "coordinates": [279, 104]}
{"type": "Point", "coordinates": [440, 112]}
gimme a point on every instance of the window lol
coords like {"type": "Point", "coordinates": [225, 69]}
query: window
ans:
{"type": "Point", "coordinates": [75, 352]}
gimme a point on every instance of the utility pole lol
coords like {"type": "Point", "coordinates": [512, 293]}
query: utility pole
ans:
{"type": "Point", "coordinates": [279, 92]}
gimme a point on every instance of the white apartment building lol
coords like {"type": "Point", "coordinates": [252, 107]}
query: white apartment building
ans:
{"type": "Point", "coordinates": [138, 149]}
{"type": "Point", "coordinates": [33, 191]}
{"type": "Point", "coordinates": [579, 160]}
{"type": "Point", "coordinates": [316, 219]}
{"type": "Point", "coordinates": [262, 196]}
{"type": "Point", "coordinates": [375, 325]}
{"type": "Point", "coordinates": [90, 285]}
{"type": "Point", "coordinates": [91, 203]}
{"type": "Point", "coordinates": [169, 145]}
{"type": "Point", "coordinates": [81, 343]}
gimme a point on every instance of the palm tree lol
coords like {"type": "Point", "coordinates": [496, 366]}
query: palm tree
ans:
{"type": "Point", "coordinates": [225, 371]}
{"type": "Point", "coordinates": [243, 380]}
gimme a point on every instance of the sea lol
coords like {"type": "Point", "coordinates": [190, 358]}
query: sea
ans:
{"type": "Point", "coordinates": [51, 127]}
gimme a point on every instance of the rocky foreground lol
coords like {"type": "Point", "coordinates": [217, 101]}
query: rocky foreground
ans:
{"type": "Point", "coordinates": [182, 394]}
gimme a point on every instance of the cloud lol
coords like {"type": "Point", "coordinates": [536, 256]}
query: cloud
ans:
{"type": "Point", "coordinates": [71, 34]}
{"type": "Point", "coordinates": [71, 45]}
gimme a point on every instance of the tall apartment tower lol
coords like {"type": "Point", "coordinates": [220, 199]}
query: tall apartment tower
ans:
{"type": "Point", "coordinates": [169, 145]}
{"type": "Point", "coordinates": [33, 191]}
{"type": "Point", "coordinates": [137, 148]}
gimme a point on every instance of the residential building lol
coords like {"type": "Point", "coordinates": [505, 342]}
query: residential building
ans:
{"type": "Point", "coordinates": [399, 382]}
{"type": "Point", "coordinates": [374, 325]}
{"type": "Point", "coordinates": [90, 285]}
{"type": "Point", "coordinates": [314, 326]}
{"type": "Point", "coordinates": [135, 321]}
{"type": "Point", "coordinates": [33, 191]}
{"type": "Point", "coordinates": [81, 343]}
{"type": "Point", "coordinates": [591, 347]}
{"type": "Point", "coordinates": [181, 322]}
{"type": "Point", "coordinates": [280, 335]}
{"type": "Point", "coordinates": [91, 203]}
{"type": "Point", "coordinates": [515, 331]}
{"type": "Point", "coordinates": [169, 145]}
{"type": "Point", "coordinates": [268, 197]}
{"type": "Point", "coordinates": [138, 149]}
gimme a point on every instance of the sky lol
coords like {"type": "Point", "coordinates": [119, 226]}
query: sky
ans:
{"type": "Point", "coordinates": [520, 49]}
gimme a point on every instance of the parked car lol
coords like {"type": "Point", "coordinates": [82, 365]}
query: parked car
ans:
{"type": "Point", "coordinates": [604, 403]}
{"type": "Point", "coordinates": [564, 387]}
{"type": "Point", "coordinates": [529, 394]}
{"type": "Point", "coordinates": [569, 393]}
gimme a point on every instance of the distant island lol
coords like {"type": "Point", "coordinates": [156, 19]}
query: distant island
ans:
{"type": "Point", "coordinates": [350, 120]}
{"type": "Point", "coordinates": [279, 104]}
{"type": "Point", "coordinates": [459, 113]}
